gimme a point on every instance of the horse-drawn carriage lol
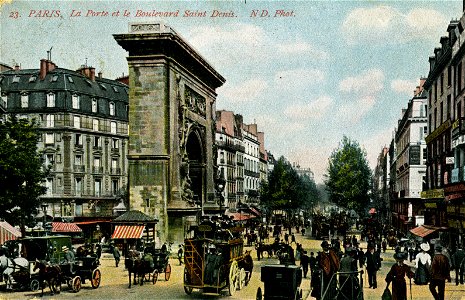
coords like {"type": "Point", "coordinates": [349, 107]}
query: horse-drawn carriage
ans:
{"type": "Point", "coordinates": [215, 260]}
{"type": "Point", "coordinates": [84, 268]}
{"type": "Point", "coordinates": [281, 282]}
{"type": "Point", "coordinates": [151, 263]}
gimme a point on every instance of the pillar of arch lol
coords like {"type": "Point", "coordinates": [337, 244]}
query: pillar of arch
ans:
{"type": "Point", "coordinates": [172, 93]}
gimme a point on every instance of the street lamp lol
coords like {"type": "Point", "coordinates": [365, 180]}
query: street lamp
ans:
{"type": "Point", "coordinates": [44, 211]}
{"type": "Point", "coordinates": [220, 185]}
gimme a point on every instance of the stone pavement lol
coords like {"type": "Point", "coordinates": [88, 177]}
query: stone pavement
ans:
{"type": "Point", "coordinates": [453, 292]}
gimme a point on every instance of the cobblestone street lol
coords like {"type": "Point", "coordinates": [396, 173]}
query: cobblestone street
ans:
{"type": "Point", "coordinates": [114, 284]}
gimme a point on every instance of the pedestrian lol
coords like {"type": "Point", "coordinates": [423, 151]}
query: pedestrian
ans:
{"type": "Point", "coordinates": [328, 262]}
{"type": "Point", "coordinates": [458, 263]}
{"type": "Point", "coordinates": [312, 263]}
{"type": "Point", "coordinates": [423, 265]}
{"type": "Point", "coordinates": [98, 250]}
{"type": "Point", "coordinates": [116, 255]}
{"type": "Point", "coordinates": [286, 238]}
{"type": "Point", "coordinates": [397, 276]}
{"type": "Point", "coordinates": [440, 271]}
{"type": "Point", "coordinates": [304, 262]}
{"type": "Point", "coordinates": [373, 264]}
{"type": "Point", "coordinates": [384, 245]}
{"type": "Point", "coordinates": [348, 277]}
{"type": "Point", "coordinates": [180, 251]}
{"type": "Point", "coordinates": [292, 238]}
{"type": "Point", "coordinates": [303, 231]}
{"type": "Point", "coordinates": [361, 257]}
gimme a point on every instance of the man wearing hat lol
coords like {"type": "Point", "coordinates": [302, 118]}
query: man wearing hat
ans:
{"type": "Point", "coordinates": [373, 264]}
{"type": "Point", "coordinates": [423, 264]}
{"type": "Point", "coordinates": [347, 284]}
{"type": "Point", "coordinates": [68, 258]}
{"type": "Point", "coordinates": [328, 262]}
{"type": "Point", "coordinates": [440, 271]}
{"type": "Point", "coordinates": [458, 262]}
{"type": "Point", "coordinates": [397, 276]}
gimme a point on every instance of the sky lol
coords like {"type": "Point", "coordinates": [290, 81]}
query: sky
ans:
{"type": "Point", "coordinates": [307, 76]}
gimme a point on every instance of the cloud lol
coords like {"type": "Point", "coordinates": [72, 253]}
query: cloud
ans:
{"type": "Point", "coordinates": [316, 109]}
{"type": "Point", "coordinates": [298, 79]}
{"type": "Point", "coordinates": [245, 91]}
{"type": "Point", "coordinates": [373, 144]}
{"type": "Point", "coordinates": [302, 48]}
{"type": "Point", "coordinates": [387, 25]}
{"type": "Point", "coordinates": [368, 83]}
{"type": "Point", "coordinates": [402, 86]}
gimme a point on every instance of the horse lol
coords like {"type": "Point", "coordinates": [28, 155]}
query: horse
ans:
{"type": "Point", "coordinates": [50, 274]}
{"type": "Point", "coordinates": [9, 268]}
{"type": "Point", "coordinates": [247, 264]}
{"type": "Point", "coordinates": [135, 266]}
{"type": "Point", "coordinates": [261, 247]}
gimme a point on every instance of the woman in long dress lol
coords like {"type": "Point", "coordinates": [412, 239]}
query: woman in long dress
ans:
{"type": "Point", "coordinates": [422, 263]}
{"type": "Point", "coordinates": [397, 276]}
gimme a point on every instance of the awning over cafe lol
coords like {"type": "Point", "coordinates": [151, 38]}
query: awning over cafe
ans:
{"type": "Point", "coordinates": [422, 231]}
{"type": "Point", "coordinates": [241, 216]}
{"type": "Point", "coordinates": [8, 232]}
{"type": "Point", "coordinates": [65, 227]}
{"type": "Point", "coordinates": [128, 232]}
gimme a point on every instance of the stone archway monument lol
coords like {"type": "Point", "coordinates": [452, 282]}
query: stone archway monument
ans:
{"type": "Point", "coordinates": [172, 93]}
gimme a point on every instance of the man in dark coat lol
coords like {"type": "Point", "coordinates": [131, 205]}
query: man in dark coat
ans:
{"type": "Point", "coordinates": [304, 261]}
{"type": "Point", "coordinates": [458, 262]}
{"type": "Point", "coordinates": [440, 271]}
{"type": "Point", "coordinates": [348, 284]}
{"type": "Point", "coordinates": [373, 263]}
{"type": "Point", "coordinates": [328, 262]}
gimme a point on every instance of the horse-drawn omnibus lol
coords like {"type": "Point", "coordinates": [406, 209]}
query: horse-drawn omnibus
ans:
{"type": "Point", "coordinates": [215, 260]}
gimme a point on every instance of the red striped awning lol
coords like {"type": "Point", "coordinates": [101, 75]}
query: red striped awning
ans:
{"type": "Point", "coordinates": [241, 216]}
{"type": "Point", "coordinates": [422, 231]}
{"type": "Point", "coordinates": [65, 227]}
{"type": "Point", "coordinates": [8, 232]}
{"type": "Point", "coordinates": [128, 232]}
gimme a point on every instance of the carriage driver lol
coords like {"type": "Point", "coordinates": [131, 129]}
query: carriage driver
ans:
{"type": "Point", "coordinates": [69, 258]}
{"type": "Point", "coordinates": [4, 263]}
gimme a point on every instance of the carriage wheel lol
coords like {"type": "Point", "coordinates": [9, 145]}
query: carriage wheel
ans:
{"type": "Point", "coordinates": [241, 282]}
{"type": "Point", "coordinates": [168, 272]}
{"type": "Point", "coordinates": [233, 278]}
{"type": "Point", "coordinates": [96, 277]}
{"type": "Point", "coordinates": [76, 284]}
{"type": "Point", "coordinates": [188, 290]}
{"type": "Point", "coordinates": [56, 285]}
{"type": "Point", "coordinates": [154, 276]}
{"type": "Point", "coordinates": [34, 285]}
{"type": "Point", "coordinates": [259, 294]}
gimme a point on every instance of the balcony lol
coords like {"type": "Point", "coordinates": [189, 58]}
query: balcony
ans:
{"type": "Point", "coordinates": [97, 170]}
{"type": "Point", "coordinates": [230, 147]}
{"type": "Point", "coordinates": [458, 127]}
{"type": "Point", "coordinates": [79, 168]}
{"type": "Point", "coordinates": [115, 171]}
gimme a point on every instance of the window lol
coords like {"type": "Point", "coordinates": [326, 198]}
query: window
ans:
{"type": "Point", "coordinates": [97, 161]}
{"type": "Point", "coordinates": [88, 82]}
{"type": "Point", "coordinates": [112, 109]}
{"type": "Point", "coordinates": [50, 100]}
{"type": "Point", "coordinates": [49, 186]}
{"type": "Point", "coordinates": [24, 100]}
{"type": "Point", "coordinates": [115, 89]}
{"type": "Point", "coordinates": [97, 142]}
{"type": "Point", "coordinates": [97, 187]}
{"type": "Point", "coordinates": [70, 79]}
{"type": "Point", "coordinates": [114, 163]}
{"type": "Point", "coordinates": [77, 122]}
{"type": "Point", "coordinates": [449, 75]}
{"type": "Point", "coordinates": [442, 83]}
{"type": "Point", "coordinates": [459, 111]}
{"type": "Point", "coordinates": [114, 186]}
{"type": "Point", "coordinates": [94, 105]}
{"type": "Point", "coordinates": [32, 78]}
{"type": "Point", "coordinates": [5, 100]}
{"type": "Point", "coordinates": [459, 78]}
{"type": "Point", "coordinates": [48, 159]}
{"type": "Point", "coordinates": [50, 121]}
{"type": "Point", "coordinates": [103, 86]}
{"type": "Point", "coordinates": [78, 140]}
{"type": "Point", "coordinates": [115, 143]}
{"type": "Point", "coordinates": [75, 99]}
{"type": "Point", "coordinates": [16, 79]}
{"type": "Point", "coordinates": [113, 127]}
{"type": "Point", "coordinates": [54, 78]}
{"type": "Point", "coordinates": [78, 185]}
{"type": "Point", "coordinates": [78, 159]}
{"type": "Point", "coordinates": [49, 138]}
{"type": "Point", "coordinates": [95, 124]}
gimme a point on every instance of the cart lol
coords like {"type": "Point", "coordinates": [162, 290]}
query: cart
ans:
{"type": "Point", "coordinates": [85, 268]}
{"type": "Point", "coordinates": [160, 265]}
{"type": "Point", "coordinates": [215, 261]}
{"type": "Point", "coordinates": [281, 282]}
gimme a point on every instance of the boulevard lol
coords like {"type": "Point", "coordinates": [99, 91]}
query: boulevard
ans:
{"type": "Point", "coordinates": [114, 283]}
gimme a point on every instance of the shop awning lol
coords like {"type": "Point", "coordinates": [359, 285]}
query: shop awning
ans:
{"type": "Point", "coordinates": [241, 217]}
{"type": "Point", "coordinates": [128, 232]}
{"type": "Point", "coordinates": [422, 231]}
{"type": "Point", "coordinates": [65, 227]}
{"type": "Point", "coordinates": [8, 232]}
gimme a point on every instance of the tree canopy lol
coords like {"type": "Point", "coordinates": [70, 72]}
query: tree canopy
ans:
{"type": "Point", "coordinates": [348, 178]}
{"type": "Point", "coordinates": [22, 171]}
{"type": "Point", "coordinates": [286, 189]}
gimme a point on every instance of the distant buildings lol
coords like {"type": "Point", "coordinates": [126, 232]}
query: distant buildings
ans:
{"type": "Point", "coordinates": [84, 134]}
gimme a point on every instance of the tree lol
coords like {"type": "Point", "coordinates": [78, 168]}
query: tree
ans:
{"type": "Point", "coordinates": [22, 171]}
{"type": "Point", "coordinates": [348, 180]}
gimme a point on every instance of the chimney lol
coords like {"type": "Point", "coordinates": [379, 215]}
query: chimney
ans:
{"type": "Point", "coordinates": [89, 72]}
{"type": "Point", "coordinates": [45, 67]}
{"type": "Point", "coordinates": [100, 74]}
{"type": "Point", "coordinates": [17, 67]}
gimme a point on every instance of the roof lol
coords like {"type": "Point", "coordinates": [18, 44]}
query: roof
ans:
{"type": "Point", "coordinates": [128, 232]}
{"type": "Point", "coordinates": [423, 231]}
{"type": "Point", "coordinates": [65, 227]}
{"type": "Point", "coordinates": [8, 232]}
{"type": "Point", "coordinates": [134, 216]}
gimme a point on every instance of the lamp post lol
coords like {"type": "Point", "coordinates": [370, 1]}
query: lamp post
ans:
{"type": "Point", "coordinates": [44, 211]}
{"type": "Point", "coordinates": [220, 185]}
{"type": "Point", "coordinates": [239, 207]}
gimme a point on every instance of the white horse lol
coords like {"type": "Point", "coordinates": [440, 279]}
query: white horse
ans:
{"type": "Point", "coordinates": [9, 266]}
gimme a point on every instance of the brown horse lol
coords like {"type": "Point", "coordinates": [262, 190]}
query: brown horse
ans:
{"type": "Point", "coordinates": [51, 274]}
{"type": "Point", "coordinates": [247, 264]}
{"type": "Point", "coordinates": [137, 267]}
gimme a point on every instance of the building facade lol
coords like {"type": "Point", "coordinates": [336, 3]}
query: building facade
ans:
{"type": "Point", "coordinates": [251, 164]}
{"type": "Point", "coordinates": [84, 134]}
